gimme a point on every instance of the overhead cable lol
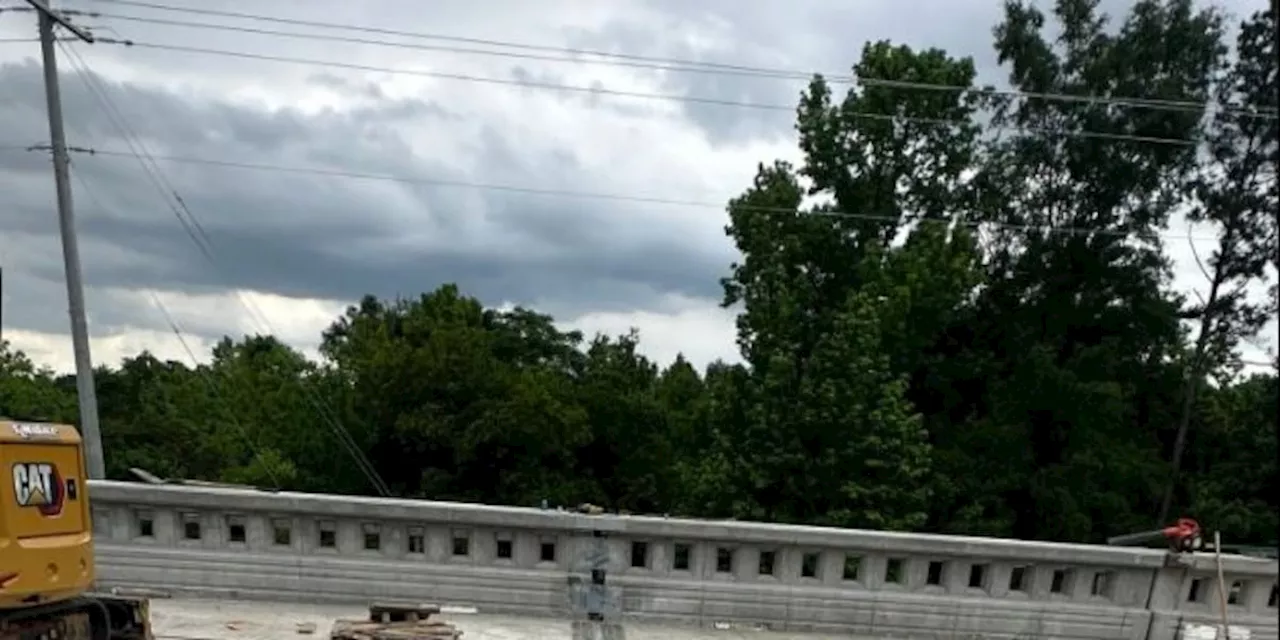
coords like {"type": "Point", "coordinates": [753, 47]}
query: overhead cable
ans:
{"type": "Point", "coordinates": [619, 197]}
{"type": "Point", "coordinates": [254, 444]}
{"type": "Point", "coordinates": [632, 60]}
{"type": "Point", "coordinates": [601, 91]}
{"type": "Point", "coordinates": [198, 235]}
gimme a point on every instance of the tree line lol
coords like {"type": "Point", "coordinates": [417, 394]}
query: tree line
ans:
{"type": "Point", "coordinates": [955, 314]}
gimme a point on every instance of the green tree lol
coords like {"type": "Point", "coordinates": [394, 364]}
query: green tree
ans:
{"type": "Point", "coordinates": [706, 465]}
{"type": "Point", "coordinates": [869, 458]}
{"type": "Point", "coordinates": [1236, 192]}
{"type": "Point", "coordinates": [28, 392]}
{"type": "Point", "coordinates": [1076, 297]}
{"type": "Point", "coordinates": [463, 402]}
{"type": "Point", "coordinates": [157, 416]}
{"type": "Point", "coordinates": [631, 454]}
{"type": "Point", "coordinates": [274, 419]}
{"type": "Point", "coordinates": [825, 409]}
{"type": "Point", "coordinates": [1233, 476]}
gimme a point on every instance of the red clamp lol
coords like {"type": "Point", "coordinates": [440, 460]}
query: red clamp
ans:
{"type": "Point", "coordinates": [1183, 536]}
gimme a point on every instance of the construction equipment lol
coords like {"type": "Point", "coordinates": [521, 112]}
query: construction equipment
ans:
{"type": "Point", "coordinates": [1181, 537]}
{"type": "Point", "coordinates": [389, 621]}
{"type": "Point", "coordinates": [46, 543]}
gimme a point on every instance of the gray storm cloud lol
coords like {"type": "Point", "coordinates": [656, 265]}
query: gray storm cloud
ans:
{"type": "Point", "coordinates": [331, 237]}
{"type": "Point", "coordinates": [317, 236]}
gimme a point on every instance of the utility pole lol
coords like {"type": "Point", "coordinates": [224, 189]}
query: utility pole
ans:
{"type": "Point", "coordinates": [88, 398]}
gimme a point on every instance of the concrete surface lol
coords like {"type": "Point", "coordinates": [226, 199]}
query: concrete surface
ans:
{"type": "Point", "coordinates": [247, 545]}
{"type": "Point", "coordinates": [357, 511]}
{"type": "Point", "coordinates": [234, 620]}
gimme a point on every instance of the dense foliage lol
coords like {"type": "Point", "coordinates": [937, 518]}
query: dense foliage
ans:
{"type": "Point", "coordinates": [956, 314]}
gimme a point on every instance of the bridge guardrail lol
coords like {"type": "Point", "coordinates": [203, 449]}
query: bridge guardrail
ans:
{"type": "Point", "coordinates": [229, 541]}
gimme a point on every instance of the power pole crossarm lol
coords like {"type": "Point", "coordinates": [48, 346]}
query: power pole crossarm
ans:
{"type": "Point", "coordinates": [46, 12]}
{"type": "Point", "coordinates": [85, 392]}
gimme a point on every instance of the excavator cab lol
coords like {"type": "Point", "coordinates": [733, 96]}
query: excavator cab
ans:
{"type": "Point", "coordinates": [46, 537]}
{"type": "Point", "coordinates": [46, 543]}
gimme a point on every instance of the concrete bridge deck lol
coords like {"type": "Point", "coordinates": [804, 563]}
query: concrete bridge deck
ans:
{"type": "Point", "coordinates": [182, 619]}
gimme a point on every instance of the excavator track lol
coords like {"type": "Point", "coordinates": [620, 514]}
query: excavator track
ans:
{"type": "Point", "coordinates": [129, 617]}
{"type": "Point", "coordinates": [89, 617]}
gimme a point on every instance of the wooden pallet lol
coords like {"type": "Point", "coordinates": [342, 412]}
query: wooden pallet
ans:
{"type": "Point", "coordinates": [390, 621]}
{"type": "Point", "coordinates": [393, 612]}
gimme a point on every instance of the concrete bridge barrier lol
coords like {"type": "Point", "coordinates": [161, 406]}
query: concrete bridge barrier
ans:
{"type": "Point", "coordinates": [250, 544]}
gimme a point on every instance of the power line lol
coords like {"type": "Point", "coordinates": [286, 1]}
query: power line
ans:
{"type": "Point", "coordinates": [614, 197]}
{"type": "Point", "coordinates": [601, 91]}
{"type": "Point", "coordinates": [690, 67]}
{"type": "Point", "coordinates": [461, 39]}
{"type": "Point", "coordinates": [188, 222]}
{"type": "Point", "coordinates": [463, 77]}
{"type": "Point", "coordinates": [197, 234]}
{"type": "Point", "coordinates": [139, 151]}
{"type": "Point", "coordinates": [598, 91]}
{"type": "Point", "coordinates": [632, 60]}
{"type": "Point", "coordinates": [180, 335]}
{"type": "Point", "coordinates": [637, 61]}
{"type": "Point", "coordinates": [254, 444]}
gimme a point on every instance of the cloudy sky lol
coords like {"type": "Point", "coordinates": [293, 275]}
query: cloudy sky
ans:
{"type": "Point", "coordinates": [292, 248]}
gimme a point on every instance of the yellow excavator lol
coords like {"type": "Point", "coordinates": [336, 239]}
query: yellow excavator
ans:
{"type": "Point", "coordinates": [46, 543]}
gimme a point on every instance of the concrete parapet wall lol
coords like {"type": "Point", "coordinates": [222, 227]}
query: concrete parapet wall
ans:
{"type": "Point", "coordinates": [248, 543]}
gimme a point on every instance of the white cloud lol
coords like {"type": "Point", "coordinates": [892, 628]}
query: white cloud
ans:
{"type": "Point", "coordinates": [54, 350]}
{"type": "Point", "coordinates": [297, 322]}
{"type": "Point", "coordinates": [699, 329]}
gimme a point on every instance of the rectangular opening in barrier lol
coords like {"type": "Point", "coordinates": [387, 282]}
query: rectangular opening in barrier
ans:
{"type": "Point", "coordinates": [461, 543]}
{"type": "Point", "coordinates": [934, 577]}
{"type": "Point", "coordinates": [852, 567]}
{"type": "Point", "coordinates": [281, 533]}
{"type": "Point", "coordinates": [191, 526]}
{"type": "Point", "coordinates": [766, 563]}
{"type": "Point", "coordinates": [504, 549]}
{"type": "Point", "coordinates": [1061, 581]}
{"type": "Point", "coordinates": [680, 557]}
{"type": "Point", "coordinates": [146, 524]}
{"type": "Point", "coordinates": [1274, 598]}
{"type": "Point", "coordinates": [328, 534]}
{"type": "Point", "coordinates": [1236, 593]}
{"type": "Point", "coordinates": [1195, 593]}
{"type": "Point", "coordinates": [372, 536]}
{"type": "Point", "coordinates": [1018, 579]}
{"type": "Point", "coordinates": [547, 551]}
{"type": "Point", "coordinates": [1102, 582]}
{"type": "Point", "coordinates": [893, 571]}
{"type": "Point", "coordinates": [417, 540]}
{"type": "Point", "coordinates": [978, 576]}
{"type": "Point", "coordinates": [639, 554]}
{"type": "Point", "coordinates": [809, 565]}
{"type": "Point", "coordinates": [724, 560]}
{"type": "Point", "coordinates": [236, 529]}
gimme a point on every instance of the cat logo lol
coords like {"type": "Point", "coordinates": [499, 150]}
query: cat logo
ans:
{"type": "Point", "coordinates": [37, 484]}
